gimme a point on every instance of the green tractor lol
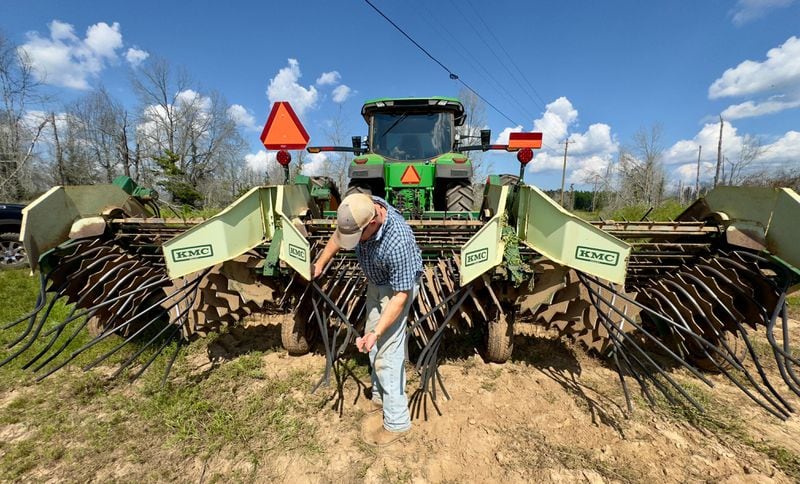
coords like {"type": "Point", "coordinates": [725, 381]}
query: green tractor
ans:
{"type": "Point", "coordinates": [413, 156]}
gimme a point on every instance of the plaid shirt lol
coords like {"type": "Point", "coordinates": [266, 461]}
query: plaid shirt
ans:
{"type": "Point", "coordinates": [391, 256]}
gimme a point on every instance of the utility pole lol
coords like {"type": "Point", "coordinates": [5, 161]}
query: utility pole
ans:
{"type": "Point", "coordinates": [697, 180]}
{"type": "Point", "coordinates": [719, 152]}
{"type": "Point", "coordinates": [564, 170]}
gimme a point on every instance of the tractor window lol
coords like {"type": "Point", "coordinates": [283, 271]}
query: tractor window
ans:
{"type": "Point", "coordinates": [410, 136]}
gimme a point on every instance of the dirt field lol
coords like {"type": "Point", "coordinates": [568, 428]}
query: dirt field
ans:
{"type": "Point", "coordinates": [238, 409]}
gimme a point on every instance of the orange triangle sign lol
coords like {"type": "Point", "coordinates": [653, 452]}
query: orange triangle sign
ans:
{"type": "Point", "coordinates": [283, 130]}
{"type": "Point", "coordinates": [410, 176]}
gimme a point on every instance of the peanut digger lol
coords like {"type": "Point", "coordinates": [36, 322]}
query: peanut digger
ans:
{"type": "Point", "coordinates": [687, 292]}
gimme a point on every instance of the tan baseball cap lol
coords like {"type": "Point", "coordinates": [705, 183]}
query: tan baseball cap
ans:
{"type": "Point", "coordinates": [354, 213]}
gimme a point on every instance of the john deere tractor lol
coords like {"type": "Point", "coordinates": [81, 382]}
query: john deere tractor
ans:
{"type": "Point", "coordinates": [413, 157]}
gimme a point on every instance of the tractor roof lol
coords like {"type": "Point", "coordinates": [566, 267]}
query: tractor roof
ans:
{"type": "Point", "coordinates": [433, 103]}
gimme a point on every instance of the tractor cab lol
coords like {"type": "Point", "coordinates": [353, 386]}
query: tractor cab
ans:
{"type": "Point", "coordinates": [412, 129]}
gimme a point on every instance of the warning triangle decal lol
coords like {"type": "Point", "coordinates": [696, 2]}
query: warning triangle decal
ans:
{"type": "Point", "coordinates": [410, 176]}
{"type": "Point", "coordinates": [283, 130]}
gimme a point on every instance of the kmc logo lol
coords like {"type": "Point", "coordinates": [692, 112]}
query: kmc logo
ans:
{"type": "Point", "coordinates": [189, 253]}
{"type": "Point", "coordinates": [600, 256]}
{"type": "Point", "coordinates": [297, 252]}
{"type": "Point", "coordinates": [476, 257]}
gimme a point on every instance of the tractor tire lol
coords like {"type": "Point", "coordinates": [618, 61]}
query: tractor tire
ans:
{"type": "Point", "coordinates": [355, 188]}
{"type": "Point", "coordinates": [460, 197]}
{"type": "Point", "coordinates": [295, 335]}
{"type": "Point", "coordinates": [500, 337]}
{"type": "Point", "coordinates": [12, 252]}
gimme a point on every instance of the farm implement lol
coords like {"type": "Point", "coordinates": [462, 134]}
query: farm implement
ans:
{"type": "Point", "coordinates": [645, 295]}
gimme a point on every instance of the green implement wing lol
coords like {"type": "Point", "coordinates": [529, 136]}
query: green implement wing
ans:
{"type": "Point", "coordinates": [567, 239]}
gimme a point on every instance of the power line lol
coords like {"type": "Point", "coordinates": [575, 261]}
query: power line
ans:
{"type": "Point", "coordinates": [452, 75]}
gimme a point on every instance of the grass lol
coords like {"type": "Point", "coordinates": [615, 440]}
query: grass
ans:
{"type": "Point", "coordinates": [728, 424]}
{"type": "Point", "coordinates": [78, 425]}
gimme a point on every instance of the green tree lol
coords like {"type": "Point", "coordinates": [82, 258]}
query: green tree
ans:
{"type": "Point", "coordinates": [175, 181]}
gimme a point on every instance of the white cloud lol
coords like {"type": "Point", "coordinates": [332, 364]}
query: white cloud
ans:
{"type": "Point", "coordinates": [260, 161]}
{"type": "Point", "coordinates": [502, 138]}
{"type": "Point", "coordinates": [558, 116]}
{"type": "Point", "coordinates": [136, 56]}
{"type": "Point", "coordinates": [285, 87]}
{"type": "Point", "coordinates": [242, 117]}
{"type": "Point", "coordinates": [314, 164]}
{"type": "Point", "coordinates": [748, 10]}
{"type": "Point", "coordinates": [775, 82]}
{"type": "Point", "coordinates": [784, 151]}
{"type": "Point", "coordinates": [64, 59]}
{"type": "Point", "coordinates": [341, 93]}
{"type": "Point", "coordinates": [328, 78]}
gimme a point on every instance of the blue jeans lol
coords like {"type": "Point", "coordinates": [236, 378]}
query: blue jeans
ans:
{"type": "Point", "coordinates": [387, 358]}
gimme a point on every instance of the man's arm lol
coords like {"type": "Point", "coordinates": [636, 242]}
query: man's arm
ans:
{"type": "Point", "coordinates": [330, 250]}
{"type": "Point", "coordinates": [389, 315]}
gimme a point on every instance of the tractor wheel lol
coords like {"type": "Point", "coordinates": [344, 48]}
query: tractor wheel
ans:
{"type": "Point", "coordinates": [12, 252]}
{"type": "Point", "coordinates": [460, 197]}
{"type": "Point", "coordinates": [356, 188]}
{"type": "Point", "coordinates": [500, 337]}
{"type": "Point", "coordinates": [296, 335]}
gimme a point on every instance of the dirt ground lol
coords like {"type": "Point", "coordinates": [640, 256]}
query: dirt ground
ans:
{"type": "Point", "coordinates": [552, 414]}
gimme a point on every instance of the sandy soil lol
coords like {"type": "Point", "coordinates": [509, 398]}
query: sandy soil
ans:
{"type": "Point", "coordinates": [552, 414]}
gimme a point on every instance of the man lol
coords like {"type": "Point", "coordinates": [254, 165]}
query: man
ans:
{"type": "Point", "coordinates": [390, 258]}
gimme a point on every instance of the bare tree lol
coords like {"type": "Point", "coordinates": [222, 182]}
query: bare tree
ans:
{"type": "Point", "coordinates": [337, 164]}
{"type": "Point", "coordinates": [470, 131]}
{"type": "Point", "coordinates": [187, 133]}
{"type": "Point", "coordinates": [752, 149]}
{"type": "Point", "coordinates": [18, 138]}
{"type": "Point", "coordinates": [640, 169]}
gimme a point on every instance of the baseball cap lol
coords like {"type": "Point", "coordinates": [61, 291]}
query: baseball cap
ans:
{"type": "Point", "coordinates": [354, 213]}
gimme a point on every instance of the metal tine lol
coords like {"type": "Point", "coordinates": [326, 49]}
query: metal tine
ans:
{"type": "Point", "coordinates": [88, 313]}
{"type": "Point", "coordinates": [191, 293]}
{"type": "Point", "coordinates": [782, 358]}
{"type": "Point", "coordinates": [744, 335]}
{"type": "Point", "coordinates": [175, 335]}
{"type": "Point", "coordinates": [785, 330]}
{"type": "Point", "coordinates": [739, 366]}
{"type": "Point", "coordinates": [180, 319]}
{"type": "Point", "coordinates": [60, 327]}
{"type": "Point", "coordinates": [171, 361]}
{"type": "Point", "coordinates": [696, 337]}
{"type": "Point", "coordinates": [109, 332]}
{"type": "Point", "coordinates": [141, 350]}
{"type": "Point", "coordinates": [777, 407]}
{"type": "Point", "coordinates": [86, 294]}
{"type": "Point", "coordinates": [663, 318]}
{"type": "Point", "coordinates": [658, 368]}
{"type": "Point", "coordinates": [326, 344]}
{"type": "Point", "coordinates": [83, 312]}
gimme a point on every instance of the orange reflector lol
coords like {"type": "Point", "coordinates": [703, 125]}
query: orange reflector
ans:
{"type": "Point", "coordinates": [410, 176]}
{"type": "Point", "coordinates": [283, 130]}
{"type": "Point", "coordinates": [524, 140]}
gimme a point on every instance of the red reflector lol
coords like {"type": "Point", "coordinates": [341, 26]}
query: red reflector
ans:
{"type": "Point", "coordinates": [284, 157]}
{"type": "Point", "coordinates": [360, 161]}
{"type": "Point", "coordinates": [525, 155]}
{"type": "Point", "coordinates": [410, 176]}
{"type": "Point", "coordinates": [460, 159]}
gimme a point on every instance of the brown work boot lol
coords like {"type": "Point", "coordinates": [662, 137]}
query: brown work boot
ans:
{"type": "Point", "coordinates": [374, 433]}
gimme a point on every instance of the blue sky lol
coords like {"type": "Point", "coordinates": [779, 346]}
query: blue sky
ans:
{"type": "Point", "coordinates": [594, 72]}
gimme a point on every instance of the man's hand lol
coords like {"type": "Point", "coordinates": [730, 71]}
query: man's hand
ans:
{"type": "Point", "coordinates": [316, 269]}
{"type": "Point", "coordinates": [365, 343]}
